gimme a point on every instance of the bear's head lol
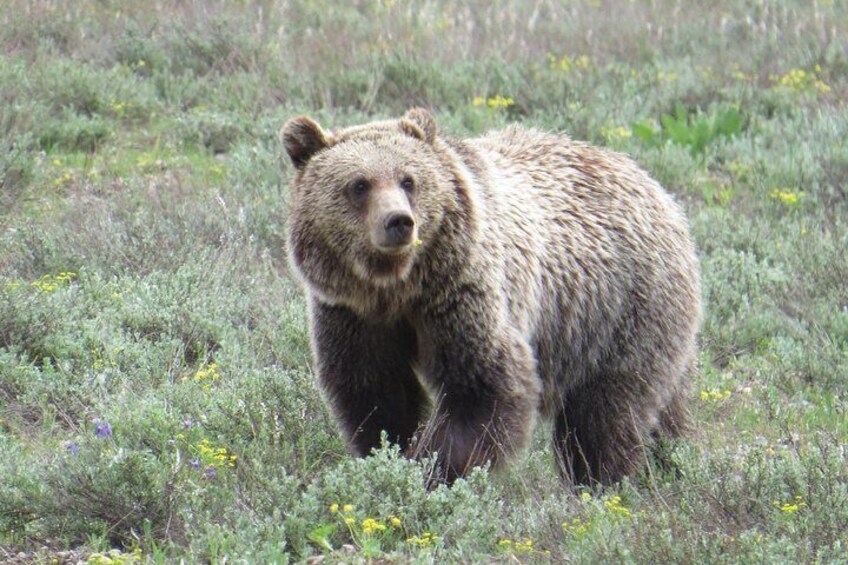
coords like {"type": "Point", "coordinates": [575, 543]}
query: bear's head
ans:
{"type": "Point", "coordinates": [365, 199]}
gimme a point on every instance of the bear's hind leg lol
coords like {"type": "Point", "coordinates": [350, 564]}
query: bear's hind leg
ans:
{"type": "Point", "coordinates": [601, 431]}
{"type": "Point", "coordinates": [674, 418]}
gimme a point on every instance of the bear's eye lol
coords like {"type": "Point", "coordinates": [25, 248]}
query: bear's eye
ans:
{"type": "Point", "coordinates": [407, 184]}
{"type": "Point", "coordinates": [359, 187]}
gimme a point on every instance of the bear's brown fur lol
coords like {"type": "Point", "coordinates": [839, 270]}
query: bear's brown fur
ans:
{"type": "Point", "coordinates": [486, 281]}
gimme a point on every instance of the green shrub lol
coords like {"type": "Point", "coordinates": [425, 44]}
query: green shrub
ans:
{"type": "Point", "coordinates": [75, 133]}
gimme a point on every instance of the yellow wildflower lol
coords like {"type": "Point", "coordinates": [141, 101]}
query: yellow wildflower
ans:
{"type": "Point", "coordinates": [525, 546]}
{"type": "Point", "coordinates": [799, 80]}
{"type": "Point", "coordinates": [576, 527]}
{"type": "Point", "coordinates": [714, 395]}
{"type": "Point", "coordinates": [65, 178]}
{"type": "Point", "coordinates": [614, 505]}
{"type": "Point", "coordinates": [792, 507]}
{"type": "Point", "coordinates": [567, 64]}
{"type": "Point", "coordinates": [215, 456]}
{"type": "Point", "coordinates": [787, 197]}
{"type": "Point", "coordinates": [49, 283]}
{"type": "Point", "coordinates": [496, 102]}
{"type": "Point", "coordinates": [207, 376]}
{"type": "Point", "coordinates": [426, 539]}
{"type": "Point", "coordinates": [371, 526]}
{"type": "Point", "coordinates": [616, 133]}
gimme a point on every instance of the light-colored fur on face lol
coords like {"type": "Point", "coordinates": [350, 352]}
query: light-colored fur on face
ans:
{"type": "Point", "coordinates": [361, 276]}
{"type": "Point", "coordinates": [547, 276]}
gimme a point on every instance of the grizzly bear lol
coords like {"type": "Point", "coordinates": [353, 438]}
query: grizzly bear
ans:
{"type": "Point", "coordinates": [458, 288]}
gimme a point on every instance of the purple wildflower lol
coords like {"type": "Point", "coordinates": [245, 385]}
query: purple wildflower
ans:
{"type": "Point", "coordinates": [210, 474]}
{"type": "Point", "coordinates": [188, 422]}
{"type": "Point", "coordinates": [103, 429]}
{"type": "Point", "coordinates": [194, 464]}
{"type": "Point", "coordinates": [72, 447]}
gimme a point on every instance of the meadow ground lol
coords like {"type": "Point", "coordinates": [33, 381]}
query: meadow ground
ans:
{"type": "Point", "coordinates": [156, 398]}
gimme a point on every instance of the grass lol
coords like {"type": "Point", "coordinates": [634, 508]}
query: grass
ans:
{"type": "Point", "coordinates": [143, 281]}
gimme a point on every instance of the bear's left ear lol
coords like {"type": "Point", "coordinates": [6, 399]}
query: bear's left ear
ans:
{"type": "Point", "coordinates": [419, 123]}
{"type": "Point", "coordinates": [302, 139]}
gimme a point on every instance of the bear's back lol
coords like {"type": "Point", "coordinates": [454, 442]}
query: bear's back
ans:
{"type": "Point", "coordinates": [615, 275]}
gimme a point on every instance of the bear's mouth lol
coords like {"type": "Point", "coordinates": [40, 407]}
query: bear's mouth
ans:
{"type": "Point", "coordinates": [385, 267]}
{"type": "Point", "coordinates": [392, 252]}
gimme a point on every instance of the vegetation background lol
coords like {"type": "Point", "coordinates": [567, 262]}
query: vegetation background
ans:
{"type": "Point", "coordinates": [156, 397]}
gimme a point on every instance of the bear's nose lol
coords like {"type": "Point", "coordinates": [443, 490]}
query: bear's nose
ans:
{"type": "Point", "coordinates": [398, 228]}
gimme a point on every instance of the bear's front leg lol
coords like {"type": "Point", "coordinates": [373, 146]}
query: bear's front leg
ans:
{"type": "Point", "coordinates": [365, 371]}
{"type": "Point", "coordinates": [483, 373]}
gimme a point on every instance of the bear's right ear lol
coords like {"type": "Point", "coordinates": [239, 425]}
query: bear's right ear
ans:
{"type": "Point", "coordinates": [419, 123]}
{"type": "Point", "coordinates": [302, 139]}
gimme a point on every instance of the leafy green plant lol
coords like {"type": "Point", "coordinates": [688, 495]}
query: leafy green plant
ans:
{"type": "Point", "coordinates": [693, 130]}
